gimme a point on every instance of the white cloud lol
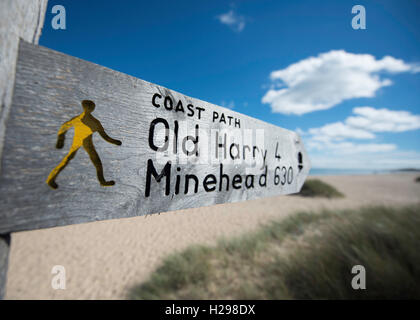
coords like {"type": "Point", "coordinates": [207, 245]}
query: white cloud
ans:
{"type": "Point", "coordinates": [339, 131]}
{"type": "Point", "coordinates": [299, 131]}
{"type": "Point", "coordinates": [379, 161]}
{"type": "Point", "coordinates": [383, 120]}
{"type": "Point", "coordinates": [319, 83]}
{"type": "Point", "coordinates": [233, 20]}
{"type": "Point", "coordinates": [333, 145]}
{"type": "Point", "coordinates": [349, 148]}
{"type": "Point", "coordinates": [366, 121]}
{"type": "Point", "coordinates": [229, 105]}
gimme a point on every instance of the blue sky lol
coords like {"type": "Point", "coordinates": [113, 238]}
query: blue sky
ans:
{"type": "Point", "coordinates": [352, 94]}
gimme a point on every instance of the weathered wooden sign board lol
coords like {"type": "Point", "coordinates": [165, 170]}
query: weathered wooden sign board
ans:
{"type": "Point", "coordinates": [131, 148]}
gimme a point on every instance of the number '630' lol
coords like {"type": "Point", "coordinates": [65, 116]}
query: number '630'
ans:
{"type": "Point", "coordinates": [283, 175]}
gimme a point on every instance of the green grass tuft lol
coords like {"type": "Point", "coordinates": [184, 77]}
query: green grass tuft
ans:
{"type": "Point", "coordinates": [318, 188]}
{"type": "Point", "coordinates": [189, 268]}
{"type": "Point", "coordinates": [305, 256]}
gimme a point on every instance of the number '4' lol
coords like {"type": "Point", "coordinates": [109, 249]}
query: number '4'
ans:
{"type": "Point", "coordinates": [278, 157]}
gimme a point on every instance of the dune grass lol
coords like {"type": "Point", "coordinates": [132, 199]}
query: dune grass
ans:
{"type": "Point", "coordinates": [418, 179]}
{"type": "Point", "coordinates": [318, 188]}
{"type": "Point", "coordinates": [305, 256]}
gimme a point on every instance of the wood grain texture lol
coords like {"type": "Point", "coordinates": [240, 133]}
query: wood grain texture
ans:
{"type": "Point", "coordinates": [48, 91]}
{"type": "Point", "coordinates": [18, 19]}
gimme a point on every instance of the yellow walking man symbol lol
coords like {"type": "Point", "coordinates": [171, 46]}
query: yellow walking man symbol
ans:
{"type": "Point", "coordinates": [84, 126]}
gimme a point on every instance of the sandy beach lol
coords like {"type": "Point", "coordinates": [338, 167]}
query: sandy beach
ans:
{"type": "Point", "coordinates": [103, 259]}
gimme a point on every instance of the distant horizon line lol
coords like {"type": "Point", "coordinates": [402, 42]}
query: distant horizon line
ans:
{"type": "Point", "coordinates": [321, 171]}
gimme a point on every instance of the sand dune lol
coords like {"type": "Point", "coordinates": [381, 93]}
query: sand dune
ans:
{"type": "Point", "coordinates": [103, 259]}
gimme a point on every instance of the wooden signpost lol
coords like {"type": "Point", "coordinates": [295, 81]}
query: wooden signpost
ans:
{"type": "Point", "coordinates": [19, 19]}
{"type": "Point", "coordinates": [85, 143]}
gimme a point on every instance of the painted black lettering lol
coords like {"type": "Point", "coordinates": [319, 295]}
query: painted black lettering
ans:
{"type": "Point", "coordinates": [223, 176]}
{"type": "Point", "coordinates": [168, 103]}
{"type": "Point", "coordinates": [237, 181]}
{"type": "Point", "coordinates": [179, 107]}
{"type": "Point", "coordinates": [199, 111]}
{"type": "Point", "coordinates": [156, 95]}
{"type": "Point", "coordinates": [263, 177]}
{"type": "Point", "coordinates": [209, 183]}
{"type": "Point", "coordinates": [190, 108]}
{"type": "Point", "coordinates": [152, 144]}
{"type": "Point", "coordinates": [187, 179]}
{"type": "Point", "coordinates": [151, 171]}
